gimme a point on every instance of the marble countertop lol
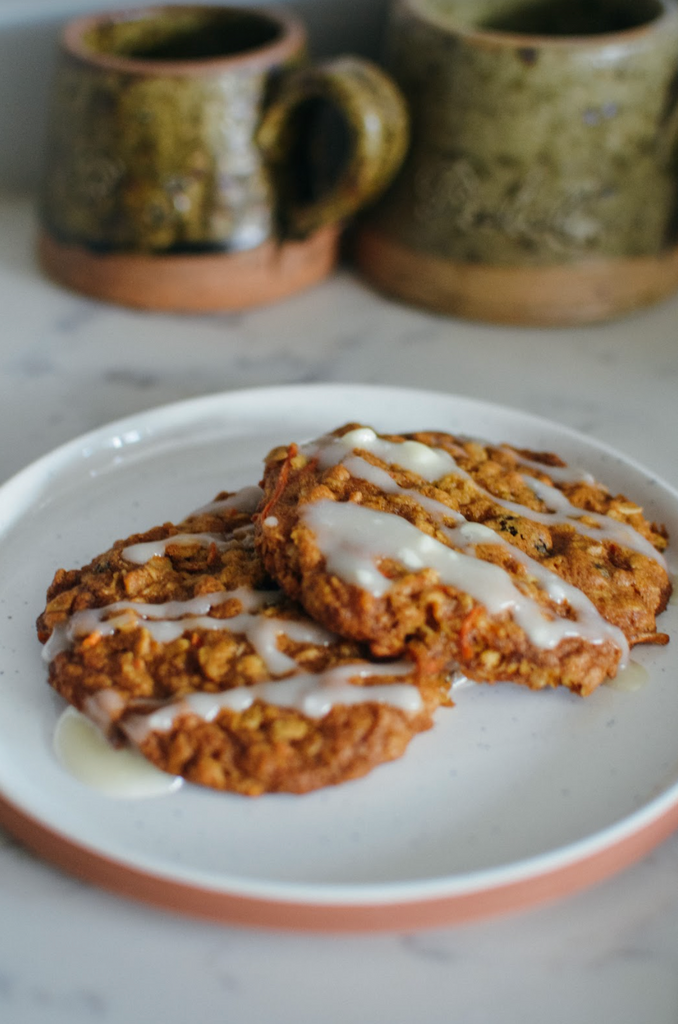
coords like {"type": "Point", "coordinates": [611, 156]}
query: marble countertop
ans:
{"type": "Point", "coordinates": [73, 954]}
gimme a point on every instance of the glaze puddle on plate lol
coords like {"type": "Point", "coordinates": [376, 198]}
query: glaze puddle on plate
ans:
{"type": "Point", "coordinates": [122, 772]}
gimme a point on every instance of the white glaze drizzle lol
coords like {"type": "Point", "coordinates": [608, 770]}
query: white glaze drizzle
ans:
{"type": "Point", "coordinates": [429, 463]}
{"type": "Point", "coordinates": [466, 535]}
{"type": "Point", "coordinates": [308, 692]}
{"type": "Point", "coordinates": [245, 500]}
{"type": "Point", "coordinates": [103, 707]}
{"type": "Point", "coordinates": [312, 694]}
{"type": "Point", "coordinates": [563, 474]}
{"type": "Point", "coordinates": [354, 557]}
{"type": "Point", "coordinates": [563, 511]}
{"type": "Point", "coordinates": [145, 550]}
{"type": "Point", "coordinates": [433, 464]}
{"type": "Point", "coordinates": [167, 622]}
{"type": "Point", "coordinates": [107, 619]}
{"type": "Point", "coordinates": [378, 477]}
{"type": "Point", "coordinates": [353, 538]}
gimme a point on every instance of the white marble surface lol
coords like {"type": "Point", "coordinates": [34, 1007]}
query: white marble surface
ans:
{"type": "Point", "coordinates": [70, 954]}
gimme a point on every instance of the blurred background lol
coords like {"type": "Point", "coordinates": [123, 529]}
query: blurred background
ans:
{"type": "Point", "coordinates": [29, 30]}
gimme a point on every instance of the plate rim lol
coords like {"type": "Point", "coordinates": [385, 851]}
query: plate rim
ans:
{"type": "Point", "coordinates": [281, 914]}
{"type": "Point", "coordinates": [130, 423]}
{"type": "Point", "coordinates": [340, 906]}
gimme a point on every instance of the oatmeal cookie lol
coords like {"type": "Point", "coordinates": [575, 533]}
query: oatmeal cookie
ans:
{"type": "Point", "coordinates": [176, 640]}
{"type": "Point", "coordinates": [503, 562]}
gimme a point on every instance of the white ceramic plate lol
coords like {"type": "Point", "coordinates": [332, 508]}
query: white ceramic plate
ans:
{"type": "Point", "coordinates": [513, 797]}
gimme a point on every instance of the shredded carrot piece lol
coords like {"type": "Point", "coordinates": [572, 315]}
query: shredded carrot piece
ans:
{"type": "Point", "coordinates": [91, 640]}
{"type": "Point", "coordinates": [467, 625]}
{"type": "Point", "coordinates": [281, 482]}
{"type": "Point", "coordinates": [661, 639]}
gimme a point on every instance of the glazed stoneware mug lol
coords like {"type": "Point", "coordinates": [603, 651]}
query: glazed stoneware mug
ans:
{"type": "Point", "coordinates": [195, 160]}
{"type": "Point", "coordinates": [541, 186]}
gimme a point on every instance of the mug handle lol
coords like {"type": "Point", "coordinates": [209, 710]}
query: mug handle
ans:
{"type": "Point", "coordinates": [376, 116]}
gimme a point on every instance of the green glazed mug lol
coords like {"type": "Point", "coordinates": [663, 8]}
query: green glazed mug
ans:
{"type": "Point", "coordinates": [541, 185]}
{"type": "Point", "coordinates": [196, 161]}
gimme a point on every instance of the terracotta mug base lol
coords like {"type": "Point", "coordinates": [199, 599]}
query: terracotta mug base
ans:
{"type": "Point", "coordinates": [547, 296]}
{"type": "Point", "coordinates": [193, 283]}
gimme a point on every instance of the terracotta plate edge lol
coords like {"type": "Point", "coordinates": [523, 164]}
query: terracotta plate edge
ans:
{"type": "Point", "coordinates": [234, 909]}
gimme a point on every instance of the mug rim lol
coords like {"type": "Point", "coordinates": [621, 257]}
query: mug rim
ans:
{"type": "Point", "coordinates": [292, 39]}
{"type": "Point", "coordinates": [425, 8]}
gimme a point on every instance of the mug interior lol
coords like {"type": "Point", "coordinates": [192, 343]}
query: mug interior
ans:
{"type": "Point", "coordinates": [550, 18]}
{"type": "Point", "coordinates": [182, 34]}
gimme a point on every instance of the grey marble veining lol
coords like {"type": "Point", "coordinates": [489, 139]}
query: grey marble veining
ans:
{"type": "Point", "coordinates": [71, 954]}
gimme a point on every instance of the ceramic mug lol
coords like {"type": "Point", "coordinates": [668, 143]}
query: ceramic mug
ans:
{"type": "Point", "coordinates": [541, 186]}
{"type": "Point", "coordinates": [196, 161]}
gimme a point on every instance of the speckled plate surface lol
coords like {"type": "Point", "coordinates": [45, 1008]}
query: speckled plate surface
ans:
{"type": "Point", "coordinates": [512, 798]}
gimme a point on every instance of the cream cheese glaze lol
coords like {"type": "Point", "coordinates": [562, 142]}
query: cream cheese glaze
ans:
{"type": "Point", "coordinates": [353, 538]}
{"type": "Point", "coordinates": [244, 500]}
{"type": "Point", "coordinates": [314, 694]}
{"type": "Point", "coordinates": [167, 622]}
{"type": "Point", "coordinates": [144, 551]}
{"type": "Point", "coordinates": [465, 535]}
{"type": "Point", "coordinates": [434, 464]}
{"type": "Point", "coordinates": [118, 772]}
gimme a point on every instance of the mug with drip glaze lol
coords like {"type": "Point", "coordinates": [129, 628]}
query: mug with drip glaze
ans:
{"type": "Point", "coordinates": [196, 160]}
{"type": "Point", "coordinates": [541, 183]}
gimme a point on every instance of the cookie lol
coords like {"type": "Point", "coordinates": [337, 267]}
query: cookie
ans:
{"type": "Point", "coordinates": [505, 564]}
{"type": "Point", "coordinates": [177, 641]}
